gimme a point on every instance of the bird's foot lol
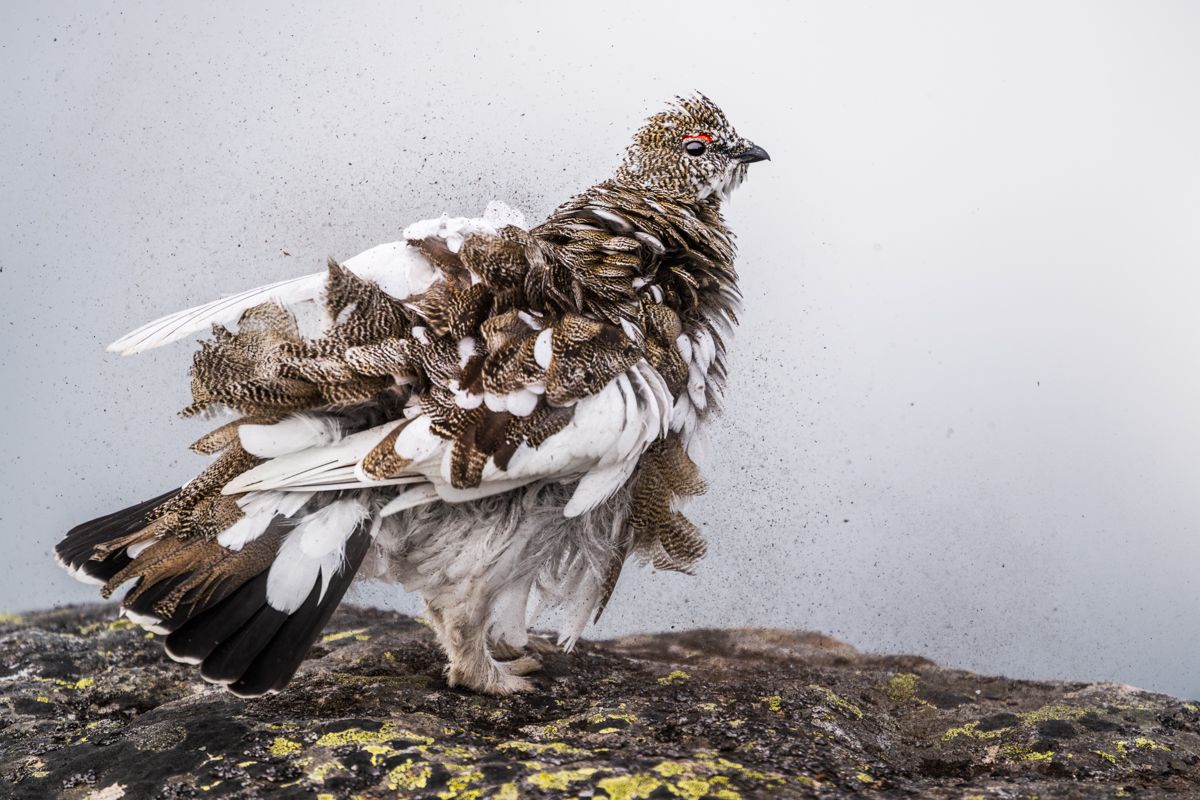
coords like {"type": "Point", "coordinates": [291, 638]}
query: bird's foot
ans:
{"type": "Point", "coordinates": [490, 678]}
{"type": "Point", "coordinates": [521, 666]}
{"type": "Point", "coordinates": [504, 651]}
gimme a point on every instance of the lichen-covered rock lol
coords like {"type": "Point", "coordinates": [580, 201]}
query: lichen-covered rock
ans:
{"type": "Point", "coordinates": [92, 709]}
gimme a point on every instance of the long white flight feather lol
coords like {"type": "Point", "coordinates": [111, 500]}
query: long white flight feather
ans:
{"type": "Point", "coordinates": [398, 269]}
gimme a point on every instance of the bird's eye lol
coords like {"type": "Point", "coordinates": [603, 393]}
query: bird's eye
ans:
{"type": "Point", "coordinates": [696, 145]}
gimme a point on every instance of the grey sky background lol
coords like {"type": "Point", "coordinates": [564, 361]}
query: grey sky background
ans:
{"type": "Point", "coordinates": [965, 409]}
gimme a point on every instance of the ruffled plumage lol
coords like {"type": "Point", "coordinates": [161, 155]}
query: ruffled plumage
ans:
{"type": "Point", "coordinates": [495, 415]}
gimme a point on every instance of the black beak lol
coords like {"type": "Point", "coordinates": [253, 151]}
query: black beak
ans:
{"type": "Point", "coordinates": [751, 154]}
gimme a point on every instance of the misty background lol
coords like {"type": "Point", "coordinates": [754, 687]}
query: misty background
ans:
{"type": "Point", "coordinates": [964, 408]}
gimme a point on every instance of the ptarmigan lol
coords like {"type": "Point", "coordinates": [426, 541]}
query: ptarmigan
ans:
{"type": "Point", "coordinates": [495, 417]}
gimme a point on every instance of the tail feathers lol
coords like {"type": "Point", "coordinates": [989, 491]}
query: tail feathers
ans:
{"type": "Point", "coordinates": [246, 615]}
{"type": "Point", "coordinates": [254, 648]}
{"type": "Point", "coordinates": [278, 661]}
{"type": "Point", "coordinates": [196, 637]}
{"type": "Point", "coordinates": [86, 550]}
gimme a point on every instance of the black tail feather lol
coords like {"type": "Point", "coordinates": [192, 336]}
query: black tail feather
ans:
{"type": "Point", "coordinates": [233, 656]}
{"type": "Point", "coordinates": [78, 547]}
{"type": "Point", "coordinates": [144, 604]}
{"type": "Point", "coordinates": [281, 657]}
{"type": "Point", "coordinates": [197, 637]}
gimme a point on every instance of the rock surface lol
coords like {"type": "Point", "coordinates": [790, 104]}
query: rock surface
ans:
{"type": "Point", "coordinates": [92, 709]}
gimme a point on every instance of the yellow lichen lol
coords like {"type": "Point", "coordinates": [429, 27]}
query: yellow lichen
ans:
{"type": "Point", "coordinates": [507, 791]}
{"type": "Point", "coordinates": [1142, 741]}
{"type": "Point", "coordinates": [669, 769]}
{"type": "Point", "coordinates": [1047, 713]}
{"type": "Point", "coordinates": [84, 683]}
{"type": "Point", "coordinates": [539, 748]}
{"type": "Point", "coordinates": [337, 637]}
{"type": "Point", "coordinates": [864, 777]}
{"type": "Point", "coordinates": [7, 618]}
{"type": "Point", "coordinates": [697, 788]}
{"type": "Point", "coordinates": [284, 747]}
{"type": "Point", "coordinates": [774, 703]}
{"type": "Point", "coordinates": [617, 716]}
{"type": "Point", "coordinates": [459, 786]}
{"type": "Point", "coordinates": [1017, 752]}
{"type": "Point", "coordinates": [901, 687]}
{"type": "Point", "coordinates": [971, 730]}
{"type": "Point", "coordinates": [837, 701]}
{"type": "Point", "coordinates": [321, 771]}
{"type": "Point", "coordinates": [674, 676]}
{"type": "Point", "coordinates": [1109, 757]}
{"type": "Point", "coordinates": [119, 624]}
{"type": "Point", "coordinates": [379, 752]}
{"type": "Point", "coordinates": [723, 765]}
{"type": "Point", "coordinates": [559, 781]}
{"type": "Point", "coordinates": [409, 775]}
{"type": "Point", "coordinates": [386, 733]}
{"type": "Point", "coordinates": [629, 787]}
{"type": "Point", "coordinates": [706, 706]}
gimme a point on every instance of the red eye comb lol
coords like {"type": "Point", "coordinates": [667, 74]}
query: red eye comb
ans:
{"type": "Point", "coordinates": [704, 137]}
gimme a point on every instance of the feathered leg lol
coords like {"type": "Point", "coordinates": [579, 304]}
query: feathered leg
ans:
{"type": "Point", "coordinates": [466, 643]}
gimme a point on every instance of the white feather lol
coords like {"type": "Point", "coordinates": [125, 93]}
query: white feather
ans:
{"type": "Point", "coordinates": [467, 400]}
{"type": "Point", "coordinates": [695, 388]}
{"type": "Point", "coordinates": [135, 550]}
{"type": "Point", "coordinates": [417, 495]}
{"type": "Point", "coordinates": [312, 551]}
{"type": "Point", "coordinates": [145, 621]}
{"type": "Point", "coordinates": [705, 349]}
{"type": "Point", "coordinates": [685, 347]}
{"type": "Point", "coordinates": [297, 432]}
{"type": "Point", "coordinates": [543, 349]}
{"type": "Point", "coordinates": [466, 349]}
{"type": "Point", "coordinates": [225, 311]}
{"type": "Point", "coordinates": [398, 269]}
{"type": "Point", "coordinates": [77, 574]}
{"type": "Point", "coordinates": [522, 402]}
{"type": "Point", "coordinates": [597, 486]}
{"type": "Point", "coordinates": [259, 509]}
{"type": "Point", "coordinates": [313, 467]}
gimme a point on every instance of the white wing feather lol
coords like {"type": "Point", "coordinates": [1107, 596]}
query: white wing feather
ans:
{"type": "Point", "coordinates": [224, 311]}
{"type": "Point", "coordinates": [398, 269]}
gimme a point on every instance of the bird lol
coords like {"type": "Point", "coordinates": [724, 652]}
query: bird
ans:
{"type": "Point", "coordinates": [495, 416]}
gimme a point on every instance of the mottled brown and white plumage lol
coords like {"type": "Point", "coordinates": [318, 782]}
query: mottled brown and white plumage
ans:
{"type": "Point", "coordinates": [496, 417]}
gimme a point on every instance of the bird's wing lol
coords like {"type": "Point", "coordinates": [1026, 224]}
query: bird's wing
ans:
{"type": "Point", "coordinates": [599, 446]}
{"type": "Point", "coordinates": [397, 268]}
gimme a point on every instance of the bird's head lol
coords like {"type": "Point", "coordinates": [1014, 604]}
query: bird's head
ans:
{"type": "Point", "coordinates": [690, 150]}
